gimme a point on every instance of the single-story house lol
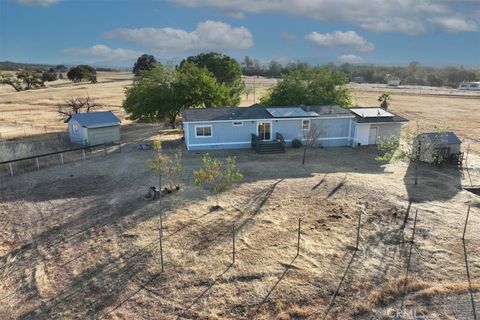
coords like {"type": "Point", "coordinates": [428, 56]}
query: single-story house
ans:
{"type": "Point", "coordinates": [437, 146]}
{"type": "Point", "coordinates": [235, 127]}
{"type": "Point", "coordinates": [93, 128]}
{"type": "Point", "coordinates": [375, 124]}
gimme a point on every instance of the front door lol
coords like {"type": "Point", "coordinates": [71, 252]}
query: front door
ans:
{"type": "Point", "coordinates": [372, 137]}
{"type": "Point", "coordinates": [264, 130]}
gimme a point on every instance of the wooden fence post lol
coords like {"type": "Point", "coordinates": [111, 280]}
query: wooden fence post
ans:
{"type": "Point", "coordinates": [61, 157]}
{"type": "Point", "coordinates": [84, 158]}
{"type": "Point", "coordinates": [38, 166]}
{"type": "Point", "coordinates": [466, 223]}
{"type": "Point", "coordinates": [11, 169]}
{"type": "Point", "coordinates": [298, 236]}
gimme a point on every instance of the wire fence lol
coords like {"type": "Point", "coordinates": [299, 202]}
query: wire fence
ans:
{"type": "Point", "coordinates": [125, 265]}
{"type": "Point", "coordinates": [44, 160]}
{"type": "Point", "coordinates": [28, 131]}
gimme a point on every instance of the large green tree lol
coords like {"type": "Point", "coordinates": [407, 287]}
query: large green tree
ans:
{"type": "Point", "coordinates": [226, 70]}
{"type": "Point", "coordinates": [160, 93]}
{"type": "Point", "coordinates": [310, 86]}
{"type": "Point", "coordinates": [144, 62]}
{"type": "Point", "coordinates": [82, 72]}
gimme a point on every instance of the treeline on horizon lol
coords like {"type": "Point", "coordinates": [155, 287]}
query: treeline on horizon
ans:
{"type": "Point", "coordinates": [412, 74]}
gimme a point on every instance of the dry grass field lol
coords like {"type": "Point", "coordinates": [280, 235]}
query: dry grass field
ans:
{"type": "Point", "coordinates": [79, 241]}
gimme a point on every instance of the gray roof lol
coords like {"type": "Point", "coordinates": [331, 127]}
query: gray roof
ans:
{"type": "Point", "coordinates": [440, 138]}
{"type": "Point", "coordinates": [96, 119]}
{"type": "Point", "coordinates": [375, 115]}
{"type": "Point", "coordinates": [258, 111]}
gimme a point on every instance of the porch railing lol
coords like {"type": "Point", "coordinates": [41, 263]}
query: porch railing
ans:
{"type": "Point", "coordinates": [279, 138]}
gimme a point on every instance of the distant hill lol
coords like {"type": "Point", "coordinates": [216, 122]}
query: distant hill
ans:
{"type": "Point", "coordinates": [16, 66]}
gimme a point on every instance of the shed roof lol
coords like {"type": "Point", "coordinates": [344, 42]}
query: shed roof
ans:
{"type": "Point", "coordinates": [96, 119]}
{"type": "Point", "coordinates": [258, 111]}
{"type": "Point", "coordinates": [440, 138]}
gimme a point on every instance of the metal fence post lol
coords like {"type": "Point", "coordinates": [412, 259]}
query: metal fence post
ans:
{"type": "Point", "coordinates": [61, 157]}
{"type": "Point", "coordinates": [161, 218]}
{"type": "Point", "coordinates": [11, 169]}
{"type": "Point", "coordinates": [233, 243]}
{"type": "Point", "coordinates": [38, 166]}
{"type": "Point", "coordinates": [466, 223]}
{"type": "Point", "coordinates": [298, 236]}
{"type": "Point", "coordinates": [358, 230]}
{"type": "Point", "coordinates": [84, 158]}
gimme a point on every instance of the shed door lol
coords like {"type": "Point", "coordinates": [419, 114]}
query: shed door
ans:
{"type": "Point", "coordinates": [103, 135]}
{"type": "Point", "coordinates": [372, 137]}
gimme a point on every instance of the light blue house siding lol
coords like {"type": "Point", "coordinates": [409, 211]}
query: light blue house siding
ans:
{"type": "Point", "coordinates": [236, 134]}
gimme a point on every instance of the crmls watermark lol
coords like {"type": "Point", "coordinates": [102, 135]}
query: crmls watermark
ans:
{"type": "Point", "coordinates": [406, 313]}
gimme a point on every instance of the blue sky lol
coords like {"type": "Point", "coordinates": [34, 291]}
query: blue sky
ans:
{"type": "Point", "coordinates": [434, 32]}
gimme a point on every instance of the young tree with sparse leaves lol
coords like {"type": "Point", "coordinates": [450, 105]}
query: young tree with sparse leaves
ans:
{"type": "Point", "coordinates": [168, 166]}
{"type": "Point", "coordinates": [310, 137]}
{"type": "Point", "coordinates": [216, 176]}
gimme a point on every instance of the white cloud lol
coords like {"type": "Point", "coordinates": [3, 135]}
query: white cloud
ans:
{"type": "Point", "coordinates": [104, 52]}
{"type": "Point", "coordinates": [348, 40]}
{"type": "Point", "coordinates": [350, 58]}
{"type": "Point", "coordinates": [42, 3]}
{"type": "Point", "coordinates": [209, 35]}
{"type": "Point", "coordinates": [450, 24]}
{"type": "Point", "coordinates": [404, 16]}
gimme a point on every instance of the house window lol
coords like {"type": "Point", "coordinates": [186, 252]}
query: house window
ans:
{"type": "Point", "coordinates": [75, 128]}
{"type": "Point", "coordinates": [238, 123]}
{"type": "Point", "coordinates": [306, 124]}
{"type": "Point", "coordinates": [203, 131]}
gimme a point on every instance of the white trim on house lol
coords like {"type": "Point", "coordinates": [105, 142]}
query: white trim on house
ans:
{"type": "Point", "coordinates": [349, 128]}
{"type": "Point", "coordinates": [185, 133]}
{"type": "Point", "coordinates": [334, 138]}
{"type": "Point", "coordinates": [219, 143]}
{"type": "Point", "coordinates": [274, 119]}
{"type": "Point", "coordinates": [374, 123]}
{"type": "Point", "coordinates": [204, 126]}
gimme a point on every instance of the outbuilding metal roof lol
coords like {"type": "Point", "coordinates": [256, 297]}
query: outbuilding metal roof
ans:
{"type": "Point", "coordinates": [441, 138]}
{"type": "Point", "coordinates": [96, 119]}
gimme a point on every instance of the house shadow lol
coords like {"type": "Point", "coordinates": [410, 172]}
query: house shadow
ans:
{"type": "Point", "coordinates": [440, 182]}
